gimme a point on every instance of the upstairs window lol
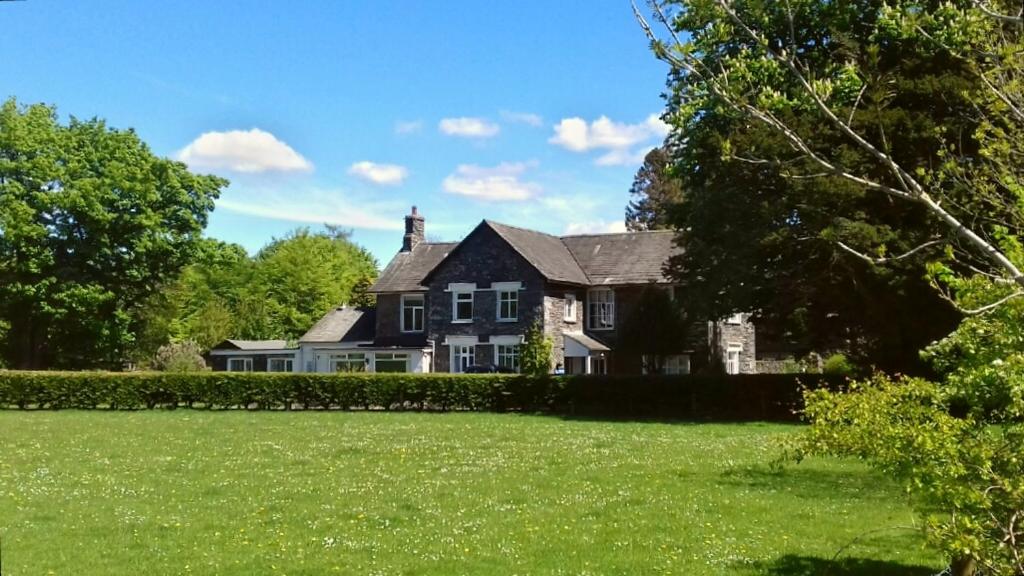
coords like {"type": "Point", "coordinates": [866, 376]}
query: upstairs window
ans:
{"type": "Point", "coordinates": [601, 309]}
{"type": "Point", "coordinates": [462, 302]}
{"type": "Point", "coordinates": [570, 307]}
{"type": "Point", "coordinates": [508, 305]}
{"type": "Point", "coordinates": [412, 312]}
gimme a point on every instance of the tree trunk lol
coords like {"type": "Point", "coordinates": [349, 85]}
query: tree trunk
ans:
{"type": "Point", "coordinates": [963, 567]}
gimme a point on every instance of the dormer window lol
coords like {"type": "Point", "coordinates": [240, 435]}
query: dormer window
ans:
{"type": "Point", "coordinates": [601, 309]}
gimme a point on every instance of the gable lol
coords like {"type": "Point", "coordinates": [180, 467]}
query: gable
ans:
{"type": "Point", "coordinates": [484, 256]}
{"type": "Point", "coordinates": [407, 271]}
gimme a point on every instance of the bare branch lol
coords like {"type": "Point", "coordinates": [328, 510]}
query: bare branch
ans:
{"type": "Point", "coordinates": [983, 6]}
{"type": "Point", "coordinates": [876, 261]}
{"type": "Point", "coordinates": [982, 309]}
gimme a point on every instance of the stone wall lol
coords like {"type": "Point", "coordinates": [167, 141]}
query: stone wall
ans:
{"type": "Point", "coordinates": [743, 334]}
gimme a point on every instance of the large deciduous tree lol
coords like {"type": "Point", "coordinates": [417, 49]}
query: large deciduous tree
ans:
{"type": "Point", "coordinates": [91, 223]}
{"type": "Point", "coordinates": [822, 79]}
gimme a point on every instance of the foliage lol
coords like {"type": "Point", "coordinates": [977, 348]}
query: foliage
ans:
{"type": "Point", "coordinates": [963, 474]}
{"type": "Point", "coordinates": [655, 191]}
{"type": "Point", "coordinates": [655, 328]}
{"type": "Point", "coordinates": [839, 365]}
{"type": "Point", "coordinates": [738, 397]}
{"type": "Point", "coordinates": [179, 357]}
{"type": "Point", "coordinates": [535, 353]}
{"type": "Point", "coordinates": [91, 222]}
{"type": "Point", "coordinates": [280, 293]}
{"type": "Point", "coordinates": [239, 493]}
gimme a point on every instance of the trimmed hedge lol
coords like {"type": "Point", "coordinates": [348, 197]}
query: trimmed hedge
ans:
{"type": "Point", "coordinates": [740, 397]}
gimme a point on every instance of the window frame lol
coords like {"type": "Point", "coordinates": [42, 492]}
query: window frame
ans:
{"type": "Point", "coordinates": [246, 363]}
{"type": "Point", "coordinates": [608, 304]}
{"type": "Point", "coordinates": [737, 349]}
{"type": "Point", "coordinates": [423, 314]}
{"type": "Point", "coordinates": [458, 354]}
{"type": "Point", "coordinates": [289, 364]}
{"type": "Point", "coordinates": [569, 308]}
{"type": "Point", "coordinates": [458, 290]}
{"type": "Point", "coordinates": [513, 303]}
{"type": "Point", "coordinates": [351, 358]}
{"type": "Point", "coordinates": [514, 355]}
{"type": "Point", "coordinates": [391, 357]}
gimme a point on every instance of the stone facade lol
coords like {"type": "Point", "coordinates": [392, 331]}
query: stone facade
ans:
{"type": "Point", "coordinates": [482, 259]}
{"type": "Point", "coordinates": [740, 332]}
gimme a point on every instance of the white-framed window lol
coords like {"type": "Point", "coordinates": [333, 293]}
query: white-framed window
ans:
{"type": "Point", "coordinates": [280, 365]}
{"type": "Point", "coordinates": [674, 364]}
{"type": "Point", "coordinates": [736, 318]}
{"type": "Point", "coordinates": [462, 302]}
{"type": "Point", "coordinates": [732, 358]}
{"type": "Point", "coordinates": [508, 305]}
{"type": "Point", "coordinates": [463, 356]}
{"type": "Point", "coordinates": [412, 312]}
{"type": "Point", "coordinates": [239, 364]}
{"type": "Point", "coordinates": [677, 364]}
{"type": "Point", "coordinates": [601, 309]}
{"type": "Point", "coordinates": [391, 362]}
{"type": "Point", "coordinates": [351, 362]}
{"type": "Point", "coordinates": [570, 307]}
{"type": "Point", "coordinates": [507, 355]}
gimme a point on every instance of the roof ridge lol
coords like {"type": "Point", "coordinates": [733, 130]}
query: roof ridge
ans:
{"type": "Point", "coordinates": [626, 233]}
{"type": "Point", "coordinates": [493, 222]}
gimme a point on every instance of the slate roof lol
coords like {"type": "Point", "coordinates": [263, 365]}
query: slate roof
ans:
{"type": "Point", "coordinates": [623, 258]}
{"type": "Point", "coordinates": [407, 270]}
{"type": "Point", "coordinates": [344, 324]}
{"type": "Point", "coordinates": [547, 253]}
{"type": "Point", "coordinates": [585, 260]}
{"type": "Point", "coordinates": [253, 345]}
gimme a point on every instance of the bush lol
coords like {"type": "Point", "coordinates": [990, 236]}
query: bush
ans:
{"type": "Point", "coordinates": [837, 364]}
{"type": "Point", "coordinates": [741, 397]}
{"type": "Point", "coordinates": [179, 357]}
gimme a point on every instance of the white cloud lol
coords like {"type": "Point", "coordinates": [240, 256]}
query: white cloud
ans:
{"type": "Point", "coordinates": [615, 138]}
{"type": "Point", "coordinates": [243, 151]}
{"type": "Point", "coordinates": [408, 127]}
{"type": "Point", "coordinates": [595, 227]}
{"type": "Point", "coordinates": [468, 127]}
{"type": "Point", "coordinates": [500, 183]}
{"type": "Point", "coordinates": [527, 118]}
{"type": "Point", "coordinates": [383, 174]}
{"type": "Point", "coordinates": [313, 206]}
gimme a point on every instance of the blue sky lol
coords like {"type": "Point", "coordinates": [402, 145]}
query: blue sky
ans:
{"type": "Point", "coordinates": [531, 113]}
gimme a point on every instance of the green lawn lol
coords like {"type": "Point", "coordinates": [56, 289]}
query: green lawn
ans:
{"type": "Point", "coordinates": [386, 493]}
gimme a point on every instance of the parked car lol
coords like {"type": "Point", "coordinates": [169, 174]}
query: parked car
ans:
{"type": "Point", "coordinates": [488, 369]}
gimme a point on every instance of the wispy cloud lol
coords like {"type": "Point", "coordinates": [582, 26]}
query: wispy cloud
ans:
{"type": "Point", "coordinates": [408, 126]}
{"type": "Point", "coordinates": [382, 174]}
{"type": "Point", "coordinates": [527, 118]}
{"type": "Point", "coordinates": [617, 139]}
{"type": "Point", "coordinates": [314, 206]}
{"type": "Point", "coordinates": [466, 127]}
{"type": "Point", "coordinates": [243, 151]}
{"type": "Point", "coordinates": [498, 183]}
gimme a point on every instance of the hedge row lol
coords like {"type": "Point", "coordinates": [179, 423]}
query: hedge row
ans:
{"type": "Point", "coordinates": [743, 397]}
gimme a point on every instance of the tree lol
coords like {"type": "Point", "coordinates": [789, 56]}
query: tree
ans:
{"type": "Point", "coordinates": [304, 275]}
{"type": "Point", "coordinates": [654, 191]}
{"type": "Point", "coordinates": [817, 77]}
{"type": "Point", "coordinates": [91, 223]}
{"type": "Point", "coordinates": [535, 351]}
{"type": "Point", "coordinates": [656, 328]}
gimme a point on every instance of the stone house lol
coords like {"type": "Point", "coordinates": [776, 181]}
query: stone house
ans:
{"type": "Point", "coordinates": [447, 306]}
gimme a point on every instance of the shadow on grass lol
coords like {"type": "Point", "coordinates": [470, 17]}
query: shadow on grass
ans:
{"type": "Point", "coordinates": [793, 565]}
{"type": "Point", "coordinates": [806, 481]}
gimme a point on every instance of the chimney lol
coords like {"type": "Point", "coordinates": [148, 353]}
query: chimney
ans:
{"type": "Point", "coordinates": [414, 231]}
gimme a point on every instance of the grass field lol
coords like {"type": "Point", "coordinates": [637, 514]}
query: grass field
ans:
{"type": "Point", "coordinates": [189, 492]}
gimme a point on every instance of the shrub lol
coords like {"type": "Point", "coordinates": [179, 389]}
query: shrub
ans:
{"type": "Point", "coordinates": [743, 397]}
{"type": "Point", "coordinates": [837, 364]}
{"type": "Point", "coordinates": [179, 357]}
